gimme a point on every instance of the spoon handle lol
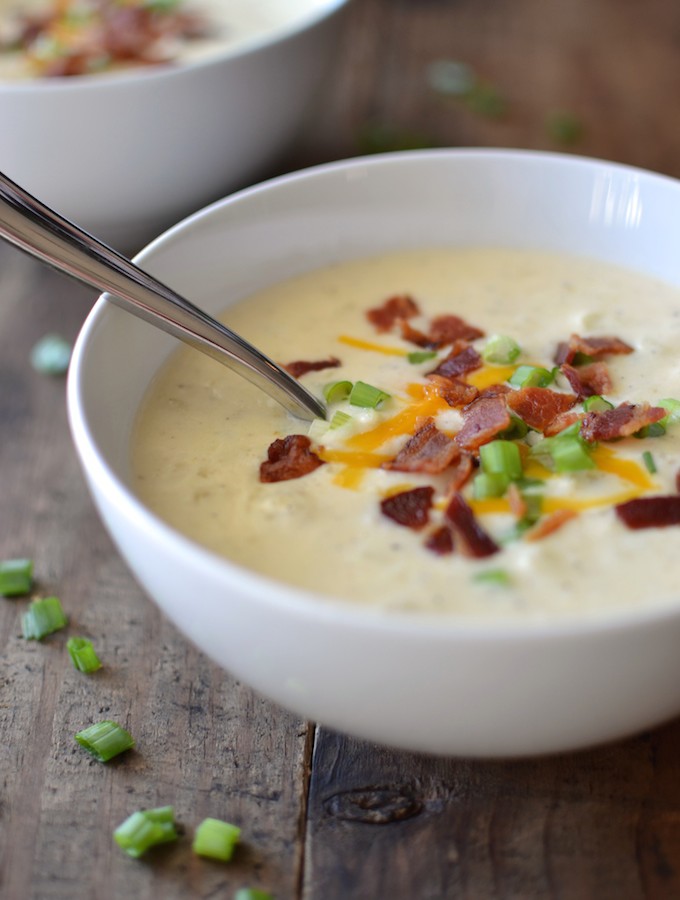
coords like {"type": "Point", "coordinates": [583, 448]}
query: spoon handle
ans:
{"type": "Point", "coordinates": [40, 231]}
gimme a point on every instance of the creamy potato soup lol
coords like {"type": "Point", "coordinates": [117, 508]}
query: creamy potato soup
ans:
{"type": "Point", "coordinates": [74, 37]}
{"type": "Point", "coordinates": [498, 422]}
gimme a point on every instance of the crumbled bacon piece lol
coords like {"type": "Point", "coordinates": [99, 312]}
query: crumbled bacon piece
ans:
{"type": "Point", "coordinates": [517, 503]}
{"type": "Point", "coordinates": [456, 393]}
{"type": "Point", "coordinates": [413, 336]}
{"type": "Point", "coordinates": [559, 423]}
{"type": "Point", "coordinates": [401, 306]}
{"type": "Point", "coordinates": [605, 345]}
{"type": "Point", "coordinates": [588, 380]}
{"type": "Point", "coordinates": [563, 354]}
{"type": "Point", "coordinates": [301, 367]}
{"type": "Point", "coordinates": [474, 539]}
{"type": "Point", "coordinates": [495, 390]}
{"type": "Point", "coordinates": [462, 359]}
{"type": "Point", "coordinates": [289, 457]}
{"type": "Point", "coordinates": [650, 512]}
{"type": "Point", "coordinates": [462, 472]}
{"type": "Point", "coordinates": [537, 406]}
{"type": "Point", "coordinates": [409, 508]}
{"type": "Point", "coordinates": [482, 421]}
{"type": "Point", "coordinates": [622, 421]}
{"type": "Point", "coordinates": [429, 450]}
{"type": "Point", "coordinates": [549, 524]}
{"type": "Point", "coordinates": [441, 541]}
{"type": "Point", "coordinates": [448, 329]}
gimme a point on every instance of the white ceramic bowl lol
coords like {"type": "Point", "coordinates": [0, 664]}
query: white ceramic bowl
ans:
{"type": "Point", "coordinates": [127, 155]}
{"type": "Point", "coordinates": [432, 684]}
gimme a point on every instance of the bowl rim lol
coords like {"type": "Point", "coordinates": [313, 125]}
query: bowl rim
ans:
{"type": "Point", "coordinates": [430, 625]}
{"type": "Point", "coordinates": [148, 74]}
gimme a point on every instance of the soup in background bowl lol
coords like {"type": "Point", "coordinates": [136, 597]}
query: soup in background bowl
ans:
{"type": "Point", "coordinates": [540, 663]}
{"type": "Point", "coordinates": [133, 149]}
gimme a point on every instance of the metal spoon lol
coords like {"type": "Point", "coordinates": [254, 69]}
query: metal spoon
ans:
{"type": "Point", "coordinates": [43, 233]}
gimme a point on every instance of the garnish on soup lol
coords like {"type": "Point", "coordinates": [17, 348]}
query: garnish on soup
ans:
{"type": "Point", "coordinates": [499, 425]}
{"type": "Point", "coordinates": [516, 433]}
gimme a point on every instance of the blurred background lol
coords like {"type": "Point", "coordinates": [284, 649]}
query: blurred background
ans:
{"type": "Point", "coordinates": [599, 77]}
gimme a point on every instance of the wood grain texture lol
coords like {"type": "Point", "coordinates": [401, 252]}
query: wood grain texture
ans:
{"type": "Point", "coordinates": [613, 64]}
{"type": "Point", "coordinates": [598, 824]}
{"type": "Point", "coordinates": [324, 816]}
{"type": "Point", "coordinates": [205, 743]}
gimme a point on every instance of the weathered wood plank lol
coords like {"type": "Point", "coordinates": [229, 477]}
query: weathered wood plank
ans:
{"type": "Point", "coordinates": [205, 743]}
{"type": "Point", "coordinates": [599, 824]}
{"type": "Point", "coordinates": [611, 63]}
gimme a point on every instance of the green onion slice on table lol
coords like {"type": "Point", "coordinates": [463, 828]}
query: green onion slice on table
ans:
{"type": "Point", "coordinates": [104, 740]}
{"type": "Point", "coordinates": [43, 617]}
{"type": "Point", "coordinates": [144, 829]}
{"type": "Point", "coordinates": [83, 655]}
{"type": "Point", "coordinates": [252, 894]}
{"type": "Point", "coordinates": [16, 577]}
{"type": "Point", "coordinates": [216, 839]}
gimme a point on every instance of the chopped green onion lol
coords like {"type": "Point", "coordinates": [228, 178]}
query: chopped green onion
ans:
{"type": "Point", "coordinates": [43, 617]}
{"type": "Point", "coordinates": [448, 76]}
{"type": "Point", "coordinates": [566, 452]}
{"type": "Point", "coordinates": [564, 127]}
{"type": "Point", "coordinates": [571, 455]}
{"type": "Point", "coordinates": [529, 484]}
{"type": "Point", "coordinates": [162, 6]}
{"type": "Point", "coordinates": [51, 355]}
{"type": "Point", "coordinates": [16, 577]}
{"type": "Point", "coordinates": [216, 839]}
{"type": "Point", "coordinates": [146, 828]}
{"type": "Point", "coordinates": [493, 576]}
{"type": "Point", "coordinates": [420, 356]}
{"type": "Point", "coordinates": [485, 99]}
{"type": "Point", "coordinates": [339, 419]}
{"type": "Point", "coordinates": [654, 430]}
{"type": "Point", "coordinates": [531, 376]}
{"type": "Point", "coordinates": [673, 407]}
{"type": "Point", "coordinates": [648, 460]}
{"type": "Point", "coordinates": [252, 894]}
{"type": "Point", "coordinates": [317, 430]}
{"type": "Point", "coordinates": [83, 655]}
{"type": "Point", "coordinates": [534, 506]}
{"type": "Point", "coordinates": [501, 350]}
{"type": "Point", "coordinates": [489, 484]}
{"type": "Point", "coordinates": [517, 429]}
{"type": "Point", "coordinates": [367, 395]}
{"type": "Point", "coordinates": [501, 458]}
{"type": "Point", "coordinates": [376, 137]}
{"type": "Point", "coordinates": [596, 403]}
{"type": "Point", "coordinates": [104, 740]}
{"type": "Point", "coordinates": [335, 391]}
{"type": "Point", "coordinates": [501, 463]}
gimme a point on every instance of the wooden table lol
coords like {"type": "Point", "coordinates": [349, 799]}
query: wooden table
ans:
{"type": "Point", "coordinates": [318, 808]}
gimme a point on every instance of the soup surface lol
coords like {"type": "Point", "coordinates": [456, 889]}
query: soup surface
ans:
{"type": "Point", "coordinates": [404, 505]}
{"type": "Point", "coordinates": [74, 37]}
